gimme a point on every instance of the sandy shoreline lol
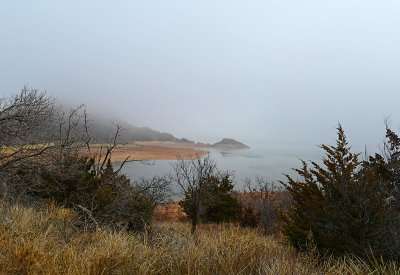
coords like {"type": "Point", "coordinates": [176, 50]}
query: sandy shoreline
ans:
{"type": "Point", "coordinates": [153, 150]}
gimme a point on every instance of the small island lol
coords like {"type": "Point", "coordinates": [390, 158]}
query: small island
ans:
{"type": "Point", "coordinates": [231, 144]}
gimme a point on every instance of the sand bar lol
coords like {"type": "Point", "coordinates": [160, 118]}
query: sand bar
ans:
{"type": "Point", "coordinates": [153, 150]}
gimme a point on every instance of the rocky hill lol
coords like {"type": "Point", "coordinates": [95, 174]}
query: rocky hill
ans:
{"type": "Point", "coordinates": [228, 143]}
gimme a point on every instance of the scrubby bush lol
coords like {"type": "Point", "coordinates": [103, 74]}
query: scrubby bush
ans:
{"type": "Point", "coordinates": [218, 203]}
{"type": "Point", "coordinates": [248, 216]}
{"type": "Point", "coordinates": [221, 205]}
{"type": "Point", "coordinates": [343, 204]}
{"type": "Point", "coordinates": [105, 197]}
{"type": "Point", "coordinates": [45, 156]}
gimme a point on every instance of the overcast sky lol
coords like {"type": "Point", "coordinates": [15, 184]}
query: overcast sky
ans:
{"type": "Point", "coordinates": [257, 71]}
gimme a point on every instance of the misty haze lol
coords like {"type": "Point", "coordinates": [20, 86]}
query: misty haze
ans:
{"type": "Point", "coordinates": [173, 118]}
{"type": "Point", "coordinates": [260, 72]}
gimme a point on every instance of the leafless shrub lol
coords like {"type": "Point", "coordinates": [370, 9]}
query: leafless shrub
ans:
{"type": "Point", "coordinates": [265, 198]}
{"type": "Point", "coordinates": [191, 177]}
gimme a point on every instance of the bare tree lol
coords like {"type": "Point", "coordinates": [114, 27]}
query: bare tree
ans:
{"type": "Point", "coordinates": [70, 133]}
{"type": "Point", "coordinates": [158, 189]}
{"type": "Point", "coordinates": [265, 197]}
{"type": "Point", "coordinates": [25, 126]}
{"type": "Point", "coordinates": [191, 176]}
{"type": "Point", "coordinates": [26, 129]}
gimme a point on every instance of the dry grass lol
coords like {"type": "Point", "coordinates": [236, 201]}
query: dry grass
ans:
{"type": "Point", "coordinates": [12, 149]}
{"type": "Point", "coordinates": [46, 242]}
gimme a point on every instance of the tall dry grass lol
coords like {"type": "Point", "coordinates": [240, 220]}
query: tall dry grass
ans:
{"type": "Point", "coordinates": [46, 241]}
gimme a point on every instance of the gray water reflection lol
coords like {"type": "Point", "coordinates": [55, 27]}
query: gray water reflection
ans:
{"type": "Point", "coordinates": [271, 161]}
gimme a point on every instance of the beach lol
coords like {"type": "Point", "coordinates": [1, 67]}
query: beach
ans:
{"type": "Point", "coordinates": [152, 150]}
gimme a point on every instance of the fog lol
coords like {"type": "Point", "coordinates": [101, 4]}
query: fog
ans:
{"type": "Point", "coordinates": [257, 71]}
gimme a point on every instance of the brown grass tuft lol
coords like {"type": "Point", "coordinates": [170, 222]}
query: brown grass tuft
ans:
{"type": "Point", "coordinates": [46, 242]}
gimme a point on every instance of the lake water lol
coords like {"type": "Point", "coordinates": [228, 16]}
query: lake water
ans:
{"type": "Point", "coordinates": [271, 161]}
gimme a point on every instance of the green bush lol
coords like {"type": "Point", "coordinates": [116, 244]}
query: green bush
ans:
{"type": "Point", "coordinates": [343, 203]}
{"type": "Point", "coordinates": [104, 197]}
{"type": "Point", "coordinates": [218, 204]}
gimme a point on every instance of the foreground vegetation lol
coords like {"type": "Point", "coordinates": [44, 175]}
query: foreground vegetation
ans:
{"type": "Point", "coordinates": [47, 241]}
{"type": "Point", "coordinates": [64, 208]}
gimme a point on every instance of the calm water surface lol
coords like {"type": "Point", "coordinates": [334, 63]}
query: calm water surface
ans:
{"type": "Point", "coordinates": [271, 161]}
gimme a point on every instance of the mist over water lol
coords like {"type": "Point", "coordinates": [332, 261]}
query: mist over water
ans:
{"type": "Point", "coordinates": [282, 72]}
{"type": "Point", "coordinates": [271, 161]}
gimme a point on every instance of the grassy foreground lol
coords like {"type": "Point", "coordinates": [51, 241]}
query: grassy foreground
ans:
{"type": "Point", "coordinates": [47, 242]}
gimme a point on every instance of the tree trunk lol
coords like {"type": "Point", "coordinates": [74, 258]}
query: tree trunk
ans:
{"type": "Point", "coordinates": [194, 225]}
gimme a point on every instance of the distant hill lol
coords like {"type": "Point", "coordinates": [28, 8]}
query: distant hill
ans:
{"type": "Point", "coordinates": [228, 143]}
{"type": "Point", "coordinates": [103, 129]}
{"type": "Point", "coordinates": [103, 126]}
